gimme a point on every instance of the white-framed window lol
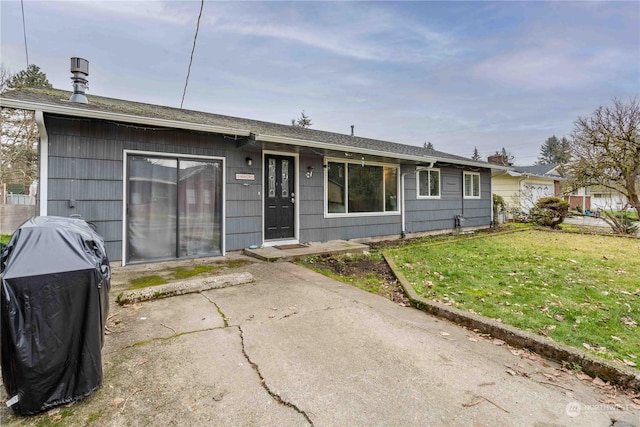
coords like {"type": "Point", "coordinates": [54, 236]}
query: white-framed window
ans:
{"type": "Point", "coordinates": [471, 185]}
{"type": "Point", "coordinates": [355, 188]}
{"type": "Point", "coordinates": [428, 184]}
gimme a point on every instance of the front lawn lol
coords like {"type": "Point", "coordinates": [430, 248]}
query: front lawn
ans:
{"type": "Point", "coordinates": [580, 290]}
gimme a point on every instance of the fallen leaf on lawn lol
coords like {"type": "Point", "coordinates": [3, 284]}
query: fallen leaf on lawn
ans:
{"type": "Point", "coordinates": [583, 376]}
{"type": "Point", "coordinates": [587, 346]}
{"type": "Point", "coordinates": [428, 284]}
{"type": "Point", "coordinates": [573, 261]}
{"type": "Point", "coordinates": [631, 355]}
{"type": "Point", "coordinates": [117, 401]}
{"type": "Point", "coordinates": [628, 362]}
{"type": "Point", "coordinates": [543, 309]}
{"type": "Point", "coordinates": [628, 321]}
{"type": "Point", "coordinates": [613, 337]}
{"type": "Point", "coordinates": [510, 372]}
{"type": "Point", "coordinates": [559, 317]}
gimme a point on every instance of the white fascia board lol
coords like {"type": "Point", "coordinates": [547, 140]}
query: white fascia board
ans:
{"type": "Point", "coordinates": [119, 117]}
{"type": "Point", "coordinates": [335, 147]}
{"type": "Point", "coordinates": [365, 151]}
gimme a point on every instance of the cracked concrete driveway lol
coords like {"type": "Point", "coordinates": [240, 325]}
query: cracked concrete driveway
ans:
{"type": "Point", "coordinates": [297, 348]}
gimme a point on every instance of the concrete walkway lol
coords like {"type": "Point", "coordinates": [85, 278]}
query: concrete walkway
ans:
{"type": "Point", "coordinates": [297, 348]}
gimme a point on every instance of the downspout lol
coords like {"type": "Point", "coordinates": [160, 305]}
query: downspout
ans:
{"type": "Point", "coordinates": [403, 233]}
{"type": "Point", "coordinates": [491, 199]}
{"type": "Point", "coordinates": [43, 165]}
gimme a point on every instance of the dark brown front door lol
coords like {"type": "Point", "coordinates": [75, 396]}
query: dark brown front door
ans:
{"type": "Point", "coordinates": [279, 197]}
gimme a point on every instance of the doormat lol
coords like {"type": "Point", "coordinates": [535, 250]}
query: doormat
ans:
{"type": "Point", "coordinates": [293, 246]}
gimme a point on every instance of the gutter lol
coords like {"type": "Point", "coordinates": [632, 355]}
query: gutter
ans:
{"type": "Point", "coordinates": [43, 165]}
{"type": "Point", "coordinates": [343, 148]}
{"type": "Point", "coordinates": [119, 117]}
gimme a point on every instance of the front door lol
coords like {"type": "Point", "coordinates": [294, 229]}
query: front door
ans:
{"type": "Point", "coordinates": [279, 211]}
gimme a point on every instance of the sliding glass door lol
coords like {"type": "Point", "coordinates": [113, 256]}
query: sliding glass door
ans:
{"type": "Point", "coordinates": [174, 207]}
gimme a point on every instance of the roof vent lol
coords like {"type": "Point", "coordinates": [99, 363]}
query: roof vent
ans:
{"type": "Point", "coordinates": [352, 126]}
{"type": "Point", "coordinates": [80, 71]}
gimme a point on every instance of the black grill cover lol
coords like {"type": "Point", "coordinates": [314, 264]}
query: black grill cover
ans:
{"type": "Point", "coordinates": [55, 284]}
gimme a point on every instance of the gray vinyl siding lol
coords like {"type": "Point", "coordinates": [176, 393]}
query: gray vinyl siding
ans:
{"type": "Point", "coordinates": [86, 167]}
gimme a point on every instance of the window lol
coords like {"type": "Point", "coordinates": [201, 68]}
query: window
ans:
{"type": "Point", "coordinates": [471, 185]}
{"type": "Point", "coordinates": [354, 188]}
{"type": "Point", "coordinates": [429, 183]}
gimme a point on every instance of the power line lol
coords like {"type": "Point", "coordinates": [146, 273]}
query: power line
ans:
{"type": "Point", "coordinates": [24, 32]}
{"type": "Point", "coordinates": [184, 92]}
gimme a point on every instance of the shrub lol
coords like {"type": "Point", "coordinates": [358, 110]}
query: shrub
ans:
{"type": "Point", "coordinates": [498, 203]}
{"type": "Point", "coordinates": [549, 212]}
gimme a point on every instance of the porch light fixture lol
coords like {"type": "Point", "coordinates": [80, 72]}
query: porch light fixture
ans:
{"type": "Point", "coordinates": [249, 161]}
{"type": "Point", "coordinates": [309, 173]}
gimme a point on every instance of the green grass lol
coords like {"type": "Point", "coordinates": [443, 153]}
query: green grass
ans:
{"type": "Point", "coordinates": [184, 273]}
{"type": "Point", "coordinates": [581, 290]}
{"type": "Point", "coordinates": [4, 238]}
{"type": "Point", "coordinates": [146, 281]}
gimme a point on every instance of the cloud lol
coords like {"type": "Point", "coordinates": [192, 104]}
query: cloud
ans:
{"type": "Point", "coordinates": [161, 12]}
{"type": "Point", "coordinates": [378, 35]}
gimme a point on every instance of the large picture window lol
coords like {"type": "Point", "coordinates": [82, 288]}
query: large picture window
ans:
{"type": "Point", "coordinates": [429, 184]}
{"type": "Point", "coordinates": [353, 188]}
{"type": "Point", "coordinates": [471, 185]}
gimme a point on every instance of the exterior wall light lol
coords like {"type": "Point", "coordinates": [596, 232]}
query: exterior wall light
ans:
{"type": "Point", "coordinates": [249, 161]}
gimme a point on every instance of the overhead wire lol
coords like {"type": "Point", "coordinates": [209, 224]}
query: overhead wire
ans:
{"type": "Point", "coordinates": [24, 32]}
{"type": "Point", "coordinates": [186, 83]}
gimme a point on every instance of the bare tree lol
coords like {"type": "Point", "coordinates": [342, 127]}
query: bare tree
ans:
{"type": "Point", "coordinates": [606, 150]}
{"type": "Point", "coordinates": [18, 146]}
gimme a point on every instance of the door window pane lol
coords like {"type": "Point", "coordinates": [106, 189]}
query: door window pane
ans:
{"type": "Point", "coordinates": [272, 178]}
{"type": "Point", "coordinates": [200, 218]}
{"type": "Point", "coordinates": [285, 178]}
{"type": "Point", "coordinates": [152, 208]}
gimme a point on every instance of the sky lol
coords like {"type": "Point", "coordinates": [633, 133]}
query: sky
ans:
{"type": "Point", "coordinates": [457, 74]}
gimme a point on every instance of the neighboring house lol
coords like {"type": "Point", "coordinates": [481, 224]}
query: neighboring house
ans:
{"type": "Point", "coordinates": [522, 186]}
{"type": "Point", "coordinates": [163, 183]}
{"type": "Point", "coordinates": [596, 197]}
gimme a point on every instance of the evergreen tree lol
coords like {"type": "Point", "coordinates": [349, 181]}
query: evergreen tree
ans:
{"type": "Point", "coordinates": [555, 151]}
{"type": "Point", "coordinates": [476, 155]}
{"type": "Point", "coordinates": [303, 121]}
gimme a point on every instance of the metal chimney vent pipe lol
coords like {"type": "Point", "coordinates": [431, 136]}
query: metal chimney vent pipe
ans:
{"type": "Point", "coordinates": [80, 71]}
{"type": "Point", "coordinates": [352, 126]}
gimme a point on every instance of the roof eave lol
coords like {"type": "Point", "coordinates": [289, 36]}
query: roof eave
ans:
{"type": "Point", "coordinates": [119, 117]}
